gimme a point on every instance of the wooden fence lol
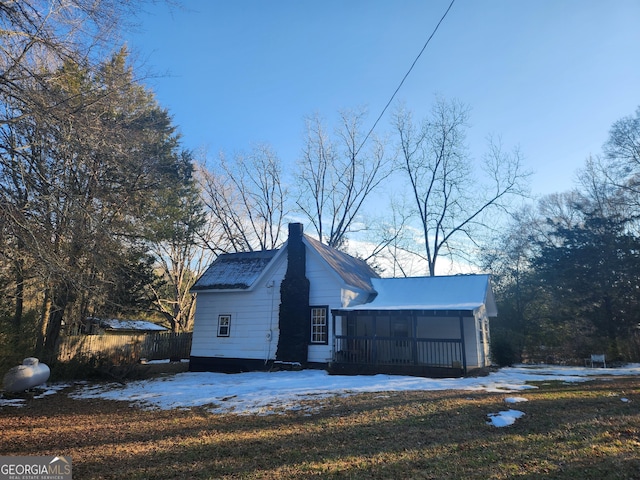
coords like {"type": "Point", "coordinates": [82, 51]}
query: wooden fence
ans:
{"type": "Point", "coordinates": [125, 349]}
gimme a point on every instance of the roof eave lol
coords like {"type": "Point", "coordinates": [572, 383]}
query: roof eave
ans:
{"type": "Point", "coordinates": [219, 290]}
{"type": "Point", "coordinates": [424, 311]}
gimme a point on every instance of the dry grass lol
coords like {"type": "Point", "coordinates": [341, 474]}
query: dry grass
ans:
{"type": "Point", "coordinates": [569, 431]}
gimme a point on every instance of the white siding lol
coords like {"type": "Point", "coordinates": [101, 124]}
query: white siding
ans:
{"type": "Point", "coordinates": [476, 349]}
{"type": "Point", "coordinates": [325, 290]}
{"type": "Point", "coordinates": [471, 342]}
{"type": "Point", "coordinates": [254, 315]}
{"type": "Point", "coordinates": [483, 339]}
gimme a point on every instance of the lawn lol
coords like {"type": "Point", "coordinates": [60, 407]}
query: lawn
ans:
{"type": "Point", "coordinates": [587, 430]}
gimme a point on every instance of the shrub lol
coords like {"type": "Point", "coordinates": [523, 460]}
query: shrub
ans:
{"type": "Point", "coordinates": [503, 351]}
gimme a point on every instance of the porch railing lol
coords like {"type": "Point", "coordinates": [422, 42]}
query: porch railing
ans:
{"type": "Point", "coordinates": [365, 350]}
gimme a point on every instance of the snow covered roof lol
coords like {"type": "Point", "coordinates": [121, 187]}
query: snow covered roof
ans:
{"type": "Point", "coordinates": [234, 271]}
{"type": "Point", "coordinates": [238, 271]}
{"type": "Point", "coordinates": [353, 271]}
{"type": "Point", "coordinates": [458, 292]}
{"type": "Point", "coordinates": [140, 325]}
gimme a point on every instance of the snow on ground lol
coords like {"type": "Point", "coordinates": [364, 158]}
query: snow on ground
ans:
{"type": "Point", "coordinates": [271, 392]}
{"type": "Point", "coordinates": [38, 392]}
{"type": "Point", "coordinates": [515, 399]}
{"type": "Point", "coordinates": [505, 418]}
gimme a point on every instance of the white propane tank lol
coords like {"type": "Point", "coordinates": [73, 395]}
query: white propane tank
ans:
{"type": "Point", "coordinates": [25, 376]}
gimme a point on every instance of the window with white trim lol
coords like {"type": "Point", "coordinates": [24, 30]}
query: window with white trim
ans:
{"type": "Point", "coordinates": [224, 325]}
{"type": "Point", "coordinates": [319, 325]}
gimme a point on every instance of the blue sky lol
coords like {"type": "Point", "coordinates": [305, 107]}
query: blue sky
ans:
{"type": "Point", "coordinates": [549, 76]}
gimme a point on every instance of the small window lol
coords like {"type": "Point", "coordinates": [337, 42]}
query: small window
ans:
{"type": "Point", "coordinates": [319, 330]}
{"type": "Point", "coordinates": [224, 323]}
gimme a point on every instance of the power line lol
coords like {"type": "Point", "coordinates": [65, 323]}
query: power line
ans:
{"type": "Point", "coordinates": [404, 78]}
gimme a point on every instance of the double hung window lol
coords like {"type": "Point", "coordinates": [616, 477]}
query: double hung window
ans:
{"type": "Point", "coordinates": [224, 325]}
{"type": "Point", "coordinates": [319, 325]}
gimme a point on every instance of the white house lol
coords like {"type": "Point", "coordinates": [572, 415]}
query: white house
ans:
{"type": "Point", "coordinates": [310, 304]}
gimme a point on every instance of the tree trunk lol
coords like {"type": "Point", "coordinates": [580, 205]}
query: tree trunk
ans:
{"type": "Point", "coordinates": [55, 306]}
{"type": "Point", "coordinates": [19, 306]}
{"type": "Point", "coordinates": [44, 321]}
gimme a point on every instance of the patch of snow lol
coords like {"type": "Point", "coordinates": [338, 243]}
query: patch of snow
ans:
{"type": "Point", "coordinates": [38, 392]}
{"type": "Point", "coordinates": [117, 324]}
{"type": "Point", "coordinates": [287, 364]}
{"type": "Point", "coordinates": [504, 418]}
{"type": "Point", "coordinates": [51, 389]}
{"type": "Point", "coordinates": [515, 399]}
{"type": "Point", "coordinates": [157, 362]}
{"type": "Point", "coordinates": [550, 371]}
{"type": "Point", "coordinates": [11, 402]}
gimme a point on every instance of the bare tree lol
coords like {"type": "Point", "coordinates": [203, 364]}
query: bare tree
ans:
{"type": "Point", "coordinates": [388, 239]}
{"type": "Point", "coordinates": [336, 175]}
{"type": "Point", "coordinates": [245, 199]}
{"type": "Point", "coordinates": [39, 36]}
{"type": "Point", "coordinates": [623, 144]}
{"type": "Point", "coordinates": [451, 202]}
{"type": "Point", "coordinates": [621, 162]}
{"type": "Point", "coordinates": [180, 256]}
{"type": "Point", "coordinates": [181, 260]}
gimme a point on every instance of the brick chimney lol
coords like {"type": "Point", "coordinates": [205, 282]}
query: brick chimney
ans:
{"type": "Point", "coordinates": [295, 314]}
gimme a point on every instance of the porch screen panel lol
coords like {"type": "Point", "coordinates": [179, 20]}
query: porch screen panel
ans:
{"type": "Point", "coordinates": [437, 327]}
{"type": "Point", "coordinates": [438, 341]}
{"type": "Point", "coordinates": [359, 345]}
{"type": "Point", "coordinates": [385, 351]}
{"type": "Point", "coordinates": [402, 340]}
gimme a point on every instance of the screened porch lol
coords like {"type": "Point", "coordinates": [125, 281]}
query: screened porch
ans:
{"type": "Point", "coordinates": [400, 340]}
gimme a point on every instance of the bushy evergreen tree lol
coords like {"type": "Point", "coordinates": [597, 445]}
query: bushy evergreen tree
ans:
{"type": "Point", "coordinates": [82, 190]}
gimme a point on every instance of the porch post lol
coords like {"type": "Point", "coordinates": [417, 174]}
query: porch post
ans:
{"type": "Point", "coordinates": [332, 335]}
{"type": "Point", "coordinates": [464, 347]}
{"type": "Point", "coordinates": [374, 341]}
{"type": "Point", "coordinates": [414, 334]}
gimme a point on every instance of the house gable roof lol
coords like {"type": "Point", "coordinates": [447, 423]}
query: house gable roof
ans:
{"type": "Point", "coordinates": [240, 271]}
{"type": "Point", "coordinates": [352, 271]}
{"type": "Point", "coordinates": [234, 271]}
{"type": "Point", "coordinates": [457, 292]}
